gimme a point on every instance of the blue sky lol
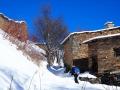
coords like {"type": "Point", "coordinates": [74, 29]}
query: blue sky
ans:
{"type": "Point", "coordinates": [77, 14]}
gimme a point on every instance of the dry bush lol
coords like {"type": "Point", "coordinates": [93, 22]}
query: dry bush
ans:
{"type": "Point", "coordinates": [33, 54]}
{"type": "Point", "coordinates": [27, 48]}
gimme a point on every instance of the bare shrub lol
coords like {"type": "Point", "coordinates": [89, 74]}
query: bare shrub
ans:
{"type": "Point", "coordinates": [27, 48]}
{"type": "Point", "coordinates": [32, 53]}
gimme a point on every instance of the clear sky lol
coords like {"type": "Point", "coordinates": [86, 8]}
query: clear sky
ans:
{"type": "Point", "coordinates": [83, 14]}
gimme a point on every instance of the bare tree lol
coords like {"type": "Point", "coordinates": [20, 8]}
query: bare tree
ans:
{"type": "Point", "coordinates": [51, 31]}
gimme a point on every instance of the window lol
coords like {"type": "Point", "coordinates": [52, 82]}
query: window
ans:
{"type": "Point", "coordinates": [117, 52]}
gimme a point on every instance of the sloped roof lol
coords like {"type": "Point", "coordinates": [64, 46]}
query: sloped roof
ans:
{"type": "Point", "coordinates": [101, 37]}
{"type": "Point", "coordinates": [71, 34]}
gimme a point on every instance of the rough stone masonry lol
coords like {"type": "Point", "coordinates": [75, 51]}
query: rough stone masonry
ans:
{"type": "Point", "coordinates": [17, 29]}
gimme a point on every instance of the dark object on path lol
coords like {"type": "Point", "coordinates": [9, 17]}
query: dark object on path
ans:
{"type": "Point", "coordinates": [75, 71]}
{"type": "Point", "coordinates": [76, 78]}
{"type": "Point", "coordinates": [91, 80]}
{"type": "Point", "coordinates": [111, 78]}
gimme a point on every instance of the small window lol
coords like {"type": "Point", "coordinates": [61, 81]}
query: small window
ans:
{"type": "Point", "coordinates": [117, 52]}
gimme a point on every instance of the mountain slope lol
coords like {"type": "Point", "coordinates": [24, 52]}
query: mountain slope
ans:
{"type": "Point", "coordinates": [13, 65]}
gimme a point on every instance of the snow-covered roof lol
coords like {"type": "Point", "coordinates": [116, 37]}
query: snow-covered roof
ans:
{"type": "Point", "coordinates": [1, 14]}
{"type": "Point", "coordinates": [87, 32]}
{"type": "Point", "coordinates": [101, 37]}
{"type": "Point", "coordinates": [108, 23]}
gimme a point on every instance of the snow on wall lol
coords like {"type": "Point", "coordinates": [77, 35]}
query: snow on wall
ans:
{"type": "Point", "coordinates": [17, 29]}
{"type": "Point", "coordinates": [35, 47]}
{"type": "Point", "coordinates": [1, 14]}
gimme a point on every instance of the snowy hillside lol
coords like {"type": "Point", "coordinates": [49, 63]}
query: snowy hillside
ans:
{"type": "Point", "coordinates": [19, 73]}
{"type": "Point", "coordinates": [13, 65]}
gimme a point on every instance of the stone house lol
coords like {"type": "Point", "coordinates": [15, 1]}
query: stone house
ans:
{"type": "Point", "coordinates": [104, 53]}
{"type": "Point", "coordinates": [17, 29]}
{"type": "Point", "coordinates": [76, 52]}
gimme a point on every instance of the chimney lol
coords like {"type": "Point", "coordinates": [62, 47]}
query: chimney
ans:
{"type": "Point", "coordinates": [109, 24]}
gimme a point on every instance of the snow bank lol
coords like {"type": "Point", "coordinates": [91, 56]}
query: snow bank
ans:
{"type": "Point", "coordinates": [86, 74]}
{"type": "Point", "coordinates": [14, 65]}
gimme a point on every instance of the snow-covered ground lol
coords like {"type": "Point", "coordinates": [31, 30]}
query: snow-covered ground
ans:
{"type": "Point", "coordinates": [19, 73]}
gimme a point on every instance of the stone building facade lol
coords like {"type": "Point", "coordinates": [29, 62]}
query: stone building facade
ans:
{"type": "Point", "coordinates": [104, 53]}
{"type": "Point", "coordinates": [76, 52]}
{"type": "Point", "coordinates": [17, 29]}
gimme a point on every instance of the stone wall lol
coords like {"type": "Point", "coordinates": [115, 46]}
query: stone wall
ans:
{"type": "Point", "coordinates": [92, 52]}
{"type": "Point", "coordinates": [15, 28]}
{"type": "Point", "coordinates": [68, 52]}
{"type": "Point", "coordinates": [104, 50]}
{"type": "Point", "coordinates": [73, 47]}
